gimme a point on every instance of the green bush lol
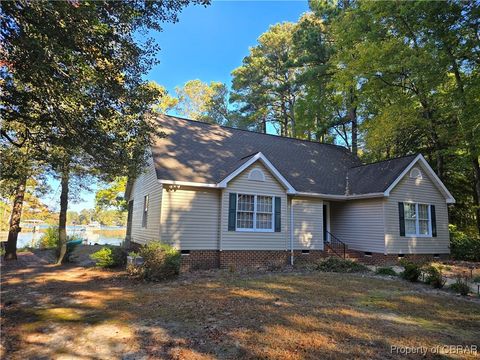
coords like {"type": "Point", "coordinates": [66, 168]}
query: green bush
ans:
{"type": "Point", "coordinates": [109, 256]}
{"type": "Point", "coordinates": [335, 264]}
{"type": "Point", "coordinates": [476, 279]}
{"type": "Point", "coordinates": [160, 261]}
{"type": "Point", "coordinates": [386, 271]}
{"type": "Point", "coordinates": [50, 239]}
{"type": "Point", "coordinates": [411, 271]}
{"type": "Point", "coordinates": [434, 277]}
{"type": "Point", "coordinates": [460, 286]}
{"type": "Point", "coordinates": [463, 246]}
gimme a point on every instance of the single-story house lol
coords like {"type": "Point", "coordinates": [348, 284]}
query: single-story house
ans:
{"type": "Point", "coordinates": [230, 197]}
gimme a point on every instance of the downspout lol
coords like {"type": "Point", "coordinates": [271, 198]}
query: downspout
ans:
{"type": "Point", "coordinates": [220, 234]}
{"type": "Point", "coordinates": [291, 232]}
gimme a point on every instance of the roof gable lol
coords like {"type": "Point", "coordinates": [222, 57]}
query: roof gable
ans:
{"type": "Point", "coordinates": [261, 158]}
{"type": "Point", "coordinates": [430, 173]}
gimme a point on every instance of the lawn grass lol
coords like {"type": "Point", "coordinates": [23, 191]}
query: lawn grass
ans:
{"type": "Point", "coordinates": [89, 313]}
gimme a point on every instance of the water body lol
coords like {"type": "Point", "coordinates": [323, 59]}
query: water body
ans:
{"type": "Point", "coordinates": [112, 235]}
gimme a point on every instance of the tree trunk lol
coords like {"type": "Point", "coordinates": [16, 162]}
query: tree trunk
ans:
{"type": "Point", "coordinates": [11, 249]}
{"type": "Point", "coordinates": [352, 116]}
{"type": "Point", "coordinates": [62, 225]}
{"type": "Point", "coordinates": [440, 165]}
{"type": "Point", "coordinates": [476, 168]}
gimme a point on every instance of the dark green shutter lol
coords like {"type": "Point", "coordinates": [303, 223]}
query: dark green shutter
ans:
{"type": "Point", "coordinates": [232, 212]}
{"type": "Point", "coordinates": [434, 220]}
{"type": "Point", "coordinates": [278, 213]}
{"type": "Point", "coordinates": [401, 218]}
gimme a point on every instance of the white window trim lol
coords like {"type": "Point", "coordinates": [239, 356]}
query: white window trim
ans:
{"type": "Point", "coordinates": [254, 229]}
{"type": "Point", "coordinates": [417, 221]}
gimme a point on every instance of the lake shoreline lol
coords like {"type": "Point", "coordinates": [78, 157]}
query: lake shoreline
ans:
{"type": "Point", "coordinates": [103, 235]}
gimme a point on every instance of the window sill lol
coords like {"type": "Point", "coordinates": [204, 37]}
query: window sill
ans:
{"type": "Point", "coordinates": [255, 230]}
{"type": "Point", "coordinates": [419, 236]}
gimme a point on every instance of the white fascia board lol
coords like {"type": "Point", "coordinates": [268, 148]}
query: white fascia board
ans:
{"type": "Point", "coordinates": [268, 165]}
{"type": "Point", "coordinates": [187, 183]}
{"type": "Point", "coordinates": [341, 197]}
{"type": "Point", "coordinates": [419, 158]}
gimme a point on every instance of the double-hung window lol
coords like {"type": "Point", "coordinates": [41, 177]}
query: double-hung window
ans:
{"type": "Point", "coordinates": [417, 219]}
{"type": "Point", "coordinates": [255, 213]}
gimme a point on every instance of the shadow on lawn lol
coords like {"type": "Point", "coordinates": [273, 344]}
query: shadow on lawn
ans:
{"type": "Point", "coordinates": [251, 318]}
{"type": "Point", "coordinates": [87, 313]}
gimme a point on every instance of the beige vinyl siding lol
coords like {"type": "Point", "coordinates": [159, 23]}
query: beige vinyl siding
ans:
{"type": "Point", "coordinates": [307, 223]}
{"type": "Point", "coordinates": [190, 218]}
{"type": "Point", "coordinates": [359, 224]}
{"type": "Point", "coordinates": [242, 240]}
{"type": "Point", "coordinates": [421, 191]}
{"type": "Point", "coordinates": [146, 184]}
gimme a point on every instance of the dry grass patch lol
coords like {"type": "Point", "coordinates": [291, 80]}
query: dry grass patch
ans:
{"type": "Point", "coordinates": [79, 313]}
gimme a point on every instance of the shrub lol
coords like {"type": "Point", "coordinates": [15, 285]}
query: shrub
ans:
{"type": "Point", "coordinates": [160, 261]}
{"type": "Point", "coordinates": [50, 239]}
{"type": "Point", "coordinates": [434, 277]}
{"type": "Point", "coordinates": [335, 264]}
{"type": "Point", "coordinates": [411, 271]}
{"type": "Point", "coordinates": [386, 271]}
{"type": "Point", "coordinates": [463, 246]}
{"type": "Point", "coordinates": [460, 286]}
{"type": "Point", "coordinates": [133, 254]}
{"type": "Point", "coordinates": [476, 279]}
{"type": "Point", "coordinates": [109, 256]}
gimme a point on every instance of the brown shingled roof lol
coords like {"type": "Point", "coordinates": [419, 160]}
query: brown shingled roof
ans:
{"type": "Point", "coordinates": [195, 151]}
{"type": "Point", "coordinates": [376, 177]}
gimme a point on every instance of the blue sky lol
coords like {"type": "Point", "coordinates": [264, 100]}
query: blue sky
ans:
{"type": "Point", "coordinates": [207, 44]}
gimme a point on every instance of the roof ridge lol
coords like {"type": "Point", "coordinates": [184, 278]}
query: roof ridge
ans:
{"type": "Point", "coordinates": [380, 161]}
{"type": "Point", "coordinates": [256, 132]}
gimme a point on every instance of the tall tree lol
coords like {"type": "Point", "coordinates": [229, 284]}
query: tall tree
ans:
{"type": "Point", "coordinates": [18, 167]}
{"type": "Point", "coordinates": [312, 52]}
{"type": "Point", "coordinates": [343, 97]}
{"type": "Point", "coordinates": [111, 196]}
{"type": "Point", "coordinates": [265, 86]}
{"type": "Point", "coordinates": [204, 102]}
{"type": "Point", "coordinates": [417, 65]}
{"type": "Point", "coordinates": [72, 77]}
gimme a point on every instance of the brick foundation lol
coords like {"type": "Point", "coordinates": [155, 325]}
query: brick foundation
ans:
{"type": "Point", "coordinates": [276, 259]}
{"type": "Point", "coordinates": [240, 259]}
{"type": "Point", "coordinates": [391, 259]}
{"type": "Point", "coordinates": [200, 260]}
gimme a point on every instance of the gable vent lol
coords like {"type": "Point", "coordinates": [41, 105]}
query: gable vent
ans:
{"type": "Point", "coordinates": [415, 173]}
{"type": "Point", "coordinates": [256, 175]}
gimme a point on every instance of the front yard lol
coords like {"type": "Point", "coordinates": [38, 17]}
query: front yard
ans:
{"type": "Point", "coordinates": [79, 313]}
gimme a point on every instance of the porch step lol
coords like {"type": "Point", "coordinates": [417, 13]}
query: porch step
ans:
{"type": "Point", "coordinates": [349, 254]}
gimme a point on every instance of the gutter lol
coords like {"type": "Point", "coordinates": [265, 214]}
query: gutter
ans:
{"type": "Point", "coordinates": [341, 197]}
{"type": "Point", "coordinates": [294, 193]}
